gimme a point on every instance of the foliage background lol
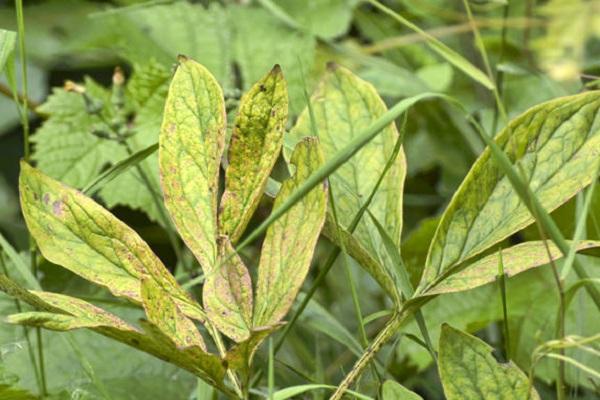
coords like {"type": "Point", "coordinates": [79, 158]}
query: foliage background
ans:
{"type": "Point", "coordinates": [551, 48]}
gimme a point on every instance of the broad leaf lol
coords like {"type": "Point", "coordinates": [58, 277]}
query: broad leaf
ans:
{"type": "Point", "coordinates": [240, 356]}
{"type": "Point", "coordinates": [190, 148]}
{"type": "Point", "coordinates": [253, 150]}
{"type": "Point", "coordinates": [468, 370]}
{"type": "Point", "coordinates": [344, 105]}
{"type": "Point", "coordinates": [555, 144]}
{"type": "Point", "coordinates": [227, 294]}
{"type": "Point", "coordinates": [394, 391]}
{"type": "Point", "coordinates": [74, 231]}
{"type": "Point", "coordinates": [515, 259]}
{"type": "Point", "coordinates": [289, 243]}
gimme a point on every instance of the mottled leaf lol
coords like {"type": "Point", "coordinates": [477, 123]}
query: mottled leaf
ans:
{"type": "Point", "coordinates": [394, 391]}
{"type": "Point", "coordinates": [253, 150]}
{"type": "Point", "coordinates": [344, 105]}
{"type": "Point", "coordinates": [190, 148]}
{"type": "Point", "coordinates": [468, 370]}
{"type": "Point", "coordinates": [74, 231]}
{"type": "Point", "coordinates": [163, 312]}
{"type": "Point", "coordinates": [289, 243]}
{"type": "Point", "coordinates": [227, 294]}
{"type": "Point", "coordinates": [516, 259]}
{"type": "Point", "coordinates": [555, 144]}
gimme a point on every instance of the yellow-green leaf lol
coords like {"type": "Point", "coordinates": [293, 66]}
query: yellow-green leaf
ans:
{"type": "Point", "coordinates": [239, 357]}
{"type": "Point", "coordinates": [254, 147]}
{"type": "Point", "coordinates": [163, 312]}
{"type": "Point", "coordinates": [190, 149]}
{"type": "Point", "coordinates": [7, 47]}
{"type": "Point", "coordinates": [290, 242]}
{"type": "Point", "coordinates": [555, 144]}
{"type": "Point", "coordinates": [468, 370]}
{"type": "Point", "coordinates": [74, 231]}
{"type": "Point", "coordinates": [343, 106]}
{"type": "Point", "coordinates": [515, 260]}
{"type": "Point", "coordinates": [394, 391]}
{"type": "Point", "coordinates": [227, 294]}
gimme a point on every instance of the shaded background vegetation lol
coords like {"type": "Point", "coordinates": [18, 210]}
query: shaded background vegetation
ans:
{"type": "Point", "coordinates": [538, 50]}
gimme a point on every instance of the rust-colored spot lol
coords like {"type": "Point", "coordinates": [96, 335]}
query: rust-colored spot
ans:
{"type": "Point", "coordinates": [172, 128]}
{"type": "Point", "coordinates": [46, 198]}
{"type": "Point", "coordinates": [57, 208]}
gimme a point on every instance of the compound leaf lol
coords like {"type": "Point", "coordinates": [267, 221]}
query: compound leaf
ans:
{"type": "Point", "coordinates": [190, 148]}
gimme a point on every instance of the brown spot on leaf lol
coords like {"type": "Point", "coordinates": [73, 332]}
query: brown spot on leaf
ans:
{"type": "Point", "coordinates": [45, 199]}
{"type": "Point", "coordinates": [57, 208]}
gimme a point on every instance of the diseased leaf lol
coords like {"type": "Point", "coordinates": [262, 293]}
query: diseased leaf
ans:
{"type": "Point", "coordinates": [516, 259]}
{"type": "Point", "coordinates": [239, 357]}
{"type": "Point", "coordinates": [253, 150]}
{"type": "Point", "coordinates": [74, 231]}
{"type": "Point", "coordinates": [555, 144]}
{"type": "Point", "coordinates": [190, 148]}
{"type": "Point", "coordinates": [394, 391]}
{"type": "Point", "coordinates": [227, 294]}
{"type": "Point", "coordinates": [163, 312]}
{"type": "Point", "coordinates": [344, 105]}
{"type": "Point", "coordinates": [468, 370]}
{"type": "Point", "coordinates": [289, 243]}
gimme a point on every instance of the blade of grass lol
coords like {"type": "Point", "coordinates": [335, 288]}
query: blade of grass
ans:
{"type": "Point", "coordinates": [502, 285]}
{"type": "Point", "coordinates": [271, 374]}
{"type": "Point", "coordinates": [19, 264]}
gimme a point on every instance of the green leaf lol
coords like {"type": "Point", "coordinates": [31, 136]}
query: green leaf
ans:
{"type": "Point", "coordinates": [190, 148]}
{"type": "Point", "coordinates": [290, 242]}
{"type": "Point", "coordinates": [227, 294]}
{"type": "Point", "coordinates": [516, 259]}
{"type": "Point", "coordinates": [344, 106]}
{"type": "Point", "coordinates": [253, 150]}
{"type": "Point", "coordinates": [394, 391]}
{"type": "Point", "coordinates": [555, 144]}
{"type": "Point", "coordinates": [7, 47]}
{"type": "Point", "coordinates": [468, 370]}
{"type": "Point", "coordinates": [292, 391]}
{"type": "Point", "coordinates": [11, 393]}
{"type": "Point", "coordinates": [239, 357]}
{"type": "Point", "coordinates": [74, 231]}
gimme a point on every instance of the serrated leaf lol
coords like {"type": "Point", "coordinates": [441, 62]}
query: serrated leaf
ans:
{"type": "Point", "coordinates": [345, 105]}
{"type": "Point", "coordinates": [555, 144]}
{"type": "Point", "coordinates": [253, 150]}
{"type": "Point", "coordinates": [289, 243]}
{"type": "Point", "coordinates": [7, 46]}
{"type": "Point", "coordinates": [163, 312]}
{"type": "Point", "coordinates": [74, 231]}
{"type": "Point", "coordinates": [516, 259]}
{"type": "Point", "coordinates": [227, 294]}
{"type": "Point", "coordinates": [468, 370]}
{"type": "Point", "coordinates": [394, 391]}
{"type": "Point", "coordinates": [190, 148]}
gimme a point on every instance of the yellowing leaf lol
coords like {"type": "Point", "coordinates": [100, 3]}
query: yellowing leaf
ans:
{"type": "Point", "coordinates": [255, 144]}
{"type": "Point", "coordinates": [227, 294]}
{"type": "Point", "coordinates": [163, 312]}
{"type": "Point", "coordinates": [468, 370]}
{"type": "Point", "coordinates": [555, 144]}
{"type": "Point", "coordinates": [345, 105]}
{"type": "Point", "coordinates": [190, 149]}
{"type": "Point", "coordinates": [289, 243]}
{"type": "Point", "coordinates": [516, 259]}
{"type": "Point", "coordinates": [74, 231]}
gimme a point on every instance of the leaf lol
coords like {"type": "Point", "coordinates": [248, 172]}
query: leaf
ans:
{"type": "Point", "coordinates": [18, 263]}
{"type": "Point", "coordinates": [469, 370]}
{"type": "Point", "coordinates": [253, 150]}
{"type": "Point", "coordinates": [292, 391]}
{"type": "Point", "coordinates": [555, 143]}
{"type": "Point", "coordinates": [344, 105]}
{"type": "Point", "coordinates": [10, 393]}
{"type": "Point", "coordinates": [227, 294]}
{"type": "Point", "coordinates": [7, 46]}
{"type": "Point", "coordinates": [190, 148]}
{"type": "Point", "coordinates": [74, 231]}
{"type": "Point", "coordinates": [163, 312]}
{"type": "Point", "coordinates": [394, 391]}
{"type": "Point", "coordinates": [516, 259]}
{"type": "Point", "coordinates": [289, 243]}
{"type": "Point", "coordinates": [240, 356]}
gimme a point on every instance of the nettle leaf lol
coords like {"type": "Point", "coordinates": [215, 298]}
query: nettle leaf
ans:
{"type": "Point", "coordinates": [290, 242]}
{"type": "Point", "coordinates": [74, 231]}
{"type": "Point", "coordinates": [394, 391]}
{"type": "Point", "coordinates": [227, 294]}
{"type": "Point", "coordinates": [343, 106]}
{"type": "Point", "coordinates": [65, 147]}
{"type": "Point", "coordinates": [555, 144]}
{"type": "Point", "coordinates": [468, 370]}
{"type": "Point", "coordinates": [516, 259]}
{"type": "Point", "coordinates": [190, 148]}
{"type": "Point", "coordinates": [253, 150]}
